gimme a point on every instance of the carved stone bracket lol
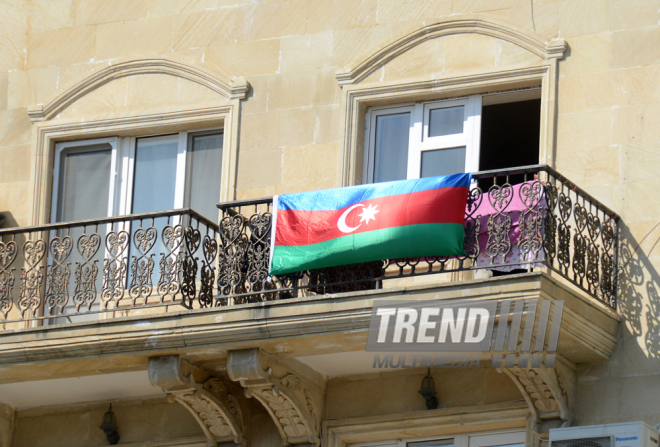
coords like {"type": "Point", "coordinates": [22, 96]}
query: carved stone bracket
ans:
{"type": "Point", "coordinates": [292, 401]}
{"type": "Point", "coordinates": [215, 407]}
{"type": "Point", "coordinates": [549, 392]}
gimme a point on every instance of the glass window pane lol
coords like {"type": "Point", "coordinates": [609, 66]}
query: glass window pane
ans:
{"type": "Point", "coordinates": [84, 182]}
{"type": "Point", "coordinates": [443, 162]}
{"type": "Point", "coordinates": [154, 182]}
{"type": "Point", "coordinates": [204, 175]}
{"type": "Point", "coordinates": [391, 160]}
{"type": "Point", "coordinates": [155, 174]}
{"type": "Point", "coordinates": [446, 121]}
{"type": "Point", "coordinates": [432, 443]}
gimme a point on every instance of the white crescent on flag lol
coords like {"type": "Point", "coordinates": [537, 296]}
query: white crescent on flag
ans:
{"type": "Point", "coordinates": [341, 223]}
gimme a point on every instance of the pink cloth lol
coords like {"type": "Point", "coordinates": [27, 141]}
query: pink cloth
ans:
{"type": "Point", "coordinates": [513, 205]}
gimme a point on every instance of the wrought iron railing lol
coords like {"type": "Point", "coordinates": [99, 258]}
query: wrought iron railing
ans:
{"type": "Point", "coordinates": [75, 271]}
{"type": "Point", "coordinates": [516, 220]}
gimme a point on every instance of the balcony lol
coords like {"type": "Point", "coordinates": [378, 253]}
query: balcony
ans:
{"type": "Point", "coordinates": [518, 220]}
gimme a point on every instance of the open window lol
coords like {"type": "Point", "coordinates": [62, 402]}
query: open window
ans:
{"type": "Point", "coordinates": [469, 134]}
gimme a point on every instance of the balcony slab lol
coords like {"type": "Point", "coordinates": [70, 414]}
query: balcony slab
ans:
{"type": "Point", "coordinates": [288, 328]}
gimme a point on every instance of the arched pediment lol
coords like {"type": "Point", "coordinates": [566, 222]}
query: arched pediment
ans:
{"type": "Point", "coordinates": [230, 89]}
{"type": "Point", "coordinates": [376, 58]}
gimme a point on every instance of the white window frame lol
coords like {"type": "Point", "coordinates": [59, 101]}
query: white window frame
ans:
{"type": "Point", "coordinates": [419, 129]}
{"type": "Point", "coordinates": [123, 168]}
{"type": "Point", "coordinates": [61, 147]}
{"type": "Point", "coordinates": [370, 162]}
{"type": "Point", "coordinates": [114, 184]}
{"type": "Point", "coordinates": [494, 439]}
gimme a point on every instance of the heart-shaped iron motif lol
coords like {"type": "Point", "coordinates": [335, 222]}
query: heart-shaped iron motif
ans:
{"type": "Point", "coordinates": [475, 197]}
{"type": "Point", "coordinates": [60, 248]}
{"type": "Point", "coordinates": [210, 249]}
{"type": "Point", "coordinates": [551, 196]}
{"type": "Point", "coordinates": [580, 217]}
{"type": "Point", "coordinates": [7, 253]}
{"type": "Point", "coordinates": [232, 228]}
{"type": "Point", "coordinates": [565, 205]}
{"type": "Point", "coordinates": [172, 237]}
{"type": "Point", "coordinates": [500, 197]}
{"type": "Point", "coordinates": [608, 236]}
{"type": "Point", "coordinates": [88, 246]}
{"type": "Point", "coordinates": [593, 226]}
{"type": "Point", "coordinates": [34, 252]}
{"type": "Point", "coordinates": [192, 239]}
{"type": "Point", "coordinates": [144, 240]}
{"type": "Point", "coordinates": [260, 225]}
{"type": "Point", "coordinates": [116, 243]}
{"type": "Point", "coordinates": [530, 194]}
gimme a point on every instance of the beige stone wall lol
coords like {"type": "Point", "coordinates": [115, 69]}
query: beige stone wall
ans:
{"type": "Point", "coordinates": [608, 140]}
{"type": "Point", "coordinates": [396, 392]}
{"type": "Point", "coordinates": [141, 422]}
{"type": "Point", "coordinates": [78, 425]}
{"type": "Point", "coordinates": [6, 425]}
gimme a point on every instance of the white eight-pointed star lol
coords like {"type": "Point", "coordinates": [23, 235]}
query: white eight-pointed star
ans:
{"type": "Point", "coordinates": [368, 213]}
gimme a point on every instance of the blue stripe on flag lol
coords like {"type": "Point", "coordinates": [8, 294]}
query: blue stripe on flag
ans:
{"type": "Point", "coordinates": [338, 198]}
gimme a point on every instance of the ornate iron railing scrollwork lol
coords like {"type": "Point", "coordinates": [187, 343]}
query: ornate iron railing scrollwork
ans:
{"type": "Point", "coordinates": [71, 269]}
{"type": "Point", "coordinates": [58, 272]}
{"type": "Point", "coordinates": [542, 221]}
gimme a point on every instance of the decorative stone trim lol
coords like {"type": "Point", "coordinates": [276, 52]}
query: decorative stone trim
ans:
{"type": "Point", "coordinates": [549, 392]}
{"type": "Point", "coordinates": [534, 43]}
{"type": "Point", "coordinates": [293, 402]}
{"type": "Point", "coordinates": [50, 131]}
{"type": "Point", "coordinates": [426, 423]}
{"type": "Point", "coordinates": [214, 407]}
{"type": "Point", "coordinates": [230, 89]}
{"type": "Point", "coordinates": [357, 98]}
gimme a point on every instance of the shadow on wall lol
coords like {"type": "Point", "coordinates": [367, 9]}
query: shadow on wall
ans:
{"type": "Point", "coordinates": [639, 288]}
{"type": "Point", "coordinates": [7, 220]}
{"type": "Point", "coordinates": [618, 390]}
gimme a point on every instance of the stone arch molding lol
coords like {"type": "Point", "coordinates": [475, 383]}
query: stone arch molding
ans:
{"type": "Point", "coordinates": [231, 89]}
{"type": "Point", "coordinates": [530, 41]}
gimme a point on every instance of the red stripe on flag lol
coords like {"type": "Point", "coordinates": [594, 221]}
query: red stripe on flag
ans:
{"type": "Point", "coordinates": [443, 205]}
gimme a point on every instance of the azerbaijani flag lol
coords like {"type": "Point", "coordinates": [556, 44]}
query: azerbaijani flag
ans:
{"type": "Point", "coordinates": [409, 218]}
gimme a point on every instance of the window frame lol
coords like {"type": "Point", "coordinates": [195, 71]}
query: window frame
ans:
{"type": "Point", "coordinates": [478, 439]}
{"type": "Point", "coordinates": [419, 141]}
{"type": "Point", "coordinates": [370, 134]}
{"type": "Point", "coordinates": [123, 168]}
{"type": "Point", "coordinates": [79, 146]}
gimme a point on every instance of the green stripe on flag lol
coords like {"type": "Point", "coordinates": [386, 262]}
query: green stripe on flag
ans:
{"type": "Point", "coordinates": [436, 239]}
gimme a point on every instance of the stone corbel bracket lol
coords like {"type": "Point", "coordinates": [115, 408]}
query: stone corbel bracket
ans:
{"type": "Point", "coordinates": [549, 392]}
{"type": "Point", "coordinates": [293, 402]}
{"type": "Point", "coordinates": [217, 410]}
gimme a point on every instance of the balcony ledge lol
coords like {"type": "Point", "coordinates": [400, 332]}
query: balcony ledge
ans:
{"type": "Point", "coordinates": [294, 327]}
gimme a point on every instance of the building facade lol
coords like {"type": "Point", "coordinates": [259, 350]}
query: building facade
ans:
{"type": "Point", "coordinates": [123, 283]}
